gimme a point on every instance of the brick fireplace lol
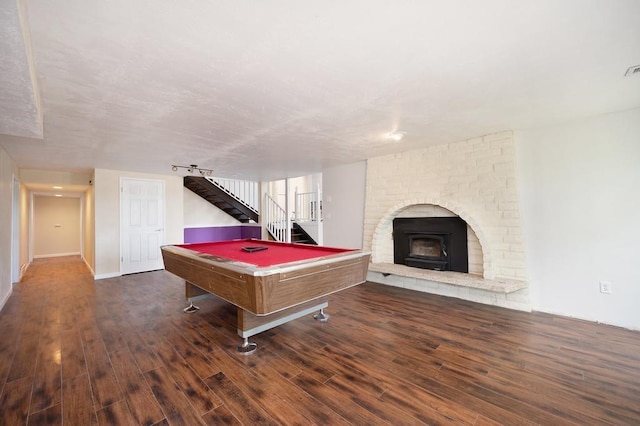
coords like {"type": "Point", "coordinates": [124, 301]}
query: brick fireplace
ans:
{"type": "Point", "coordinates": [473, 180]}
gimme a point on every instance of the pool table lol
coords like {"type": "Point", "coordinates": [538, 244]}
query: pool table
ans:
{"type": "Point", "coordinates": [269, 282]}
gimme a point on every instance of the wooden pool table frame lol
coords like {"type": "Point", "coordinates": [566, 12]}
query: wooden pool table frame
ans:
{"type": "Point", "coordinates": [267, 296]}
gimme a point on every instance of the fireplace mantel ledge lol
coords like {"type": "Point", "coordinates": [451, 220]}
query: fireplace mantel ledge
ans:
{"type": "Point", "coordinates": [454, 278]}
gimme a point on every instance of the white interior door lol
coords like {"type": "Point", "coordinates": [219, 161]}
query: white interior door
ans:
{"type": "Point", "coordinates": [142, 224]}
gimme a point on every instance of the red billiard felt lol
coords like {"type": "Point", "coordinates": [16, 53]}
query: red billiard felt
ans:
{"type": "Point", "coordinates": [275, 254]}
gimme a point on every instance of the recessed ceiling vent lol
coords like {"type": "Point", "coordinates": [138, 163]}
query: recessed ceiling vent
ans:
{"type": "Point", "coordinates": [634, 70]}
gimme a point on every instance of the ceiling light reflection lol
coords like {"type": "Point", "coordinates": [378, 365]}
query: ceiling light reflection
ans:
{"type": "Point", "coordinates": [395, 136]}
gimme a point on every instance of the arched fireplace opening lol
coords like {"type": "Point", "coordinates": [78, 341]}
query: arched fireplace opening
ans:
{"type": "Point", "coordinates": [382, 245]}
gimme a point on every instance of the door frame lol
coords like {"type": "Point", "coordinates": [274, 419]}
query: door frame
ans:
{"type": "Point", "coordinates": [164, 213]}
{"type": "Point", "coordinates": [15, 231]}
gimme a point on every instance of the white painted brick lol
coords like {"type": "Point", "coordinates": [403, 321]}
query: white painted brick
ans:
{"type": "Point", "coordinates": [506, 272]}
{"type": "Point", "coordinates": [500, 143]}
{"type": "Point", "coordinates": [475, 169]}
{"type": "Point", "coordinates": [521, 274]}
{"type": "Point", "coordinates": [501, 247]}
{"type": "Point", "coordinates": [521, 296]}
{"type": "Point", "coordinates": [508, 205]}
{"type": "Point", "coordinates": [510, 223]}
{"type": "Point", "coordinates": [526, 307]}
{"type": "Point", "coordinates": [504, 169]}
{"type": "Point", "coordinates": [454, 148]}
{"type": "Point", "coordinates": [459, 179]}
{"type": "Point", "coordinates": [517, 248]}
{"type": "Point", "coordinates": [481, 296]}
{"type": "Point", "coordinates": [511, 214]}
{"type": "Point", "coordinates": [475, 268]}
{"type": "Point", "coordinates": [506, 135]}
{"type": "Point", "coordinates": [490, 207]}
{"type": "Point", "coordinates": [509, 196]}
{"type": "Point", "coordinates": [514, 260]}
{"type": "Point", "coordinates": [474, 179]}
{"type": "Point", "coordinates": [508, 151]}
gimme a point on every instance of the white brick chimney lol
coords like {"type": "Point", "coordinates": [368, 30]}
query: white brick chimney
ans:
{"type": "Point", "coordinates": [473, 179]}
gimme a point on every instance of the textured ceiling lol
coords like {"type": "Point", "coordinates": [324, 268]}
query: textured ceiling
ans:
{"type": "Point", "coordinates": [266, 90]}
{"type": "Point", "coordinates": [19, 108]}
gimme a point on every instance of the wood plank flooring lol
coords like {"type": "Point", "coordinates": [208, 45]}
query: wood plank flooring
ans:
{"type": "Point", "coordinates": [121, 351]}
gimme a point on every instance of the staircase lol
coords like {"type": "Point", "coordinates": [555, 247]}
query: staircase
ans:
{"type": "Point", "coordinates": [240, 199]}
{"type": "Point", "coordinates": [300, 236]}
{"type": "Point", "coordinates": [221, 198]}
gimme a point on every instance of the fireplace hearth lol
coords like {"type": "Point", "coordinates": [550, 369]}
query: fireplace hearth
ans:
{"type": "Point", "coordinates": [437, 243]}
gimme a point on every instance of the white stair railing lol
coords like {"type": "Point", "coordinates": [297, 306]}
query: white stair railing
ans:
{"type": "Point", "coordinates": [245, 191]}
{"type": "Point", "coordinates": [308, 207]}
{"type": "Point", "coordinates": [274, 218]}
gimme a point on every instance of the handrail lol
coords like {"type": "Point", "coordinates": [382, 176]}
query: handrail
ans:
{"type": "Point", "coordinates": [245, 191]}
{"type": "Point", "coordinates": [308, 208]}
{"type": "Point", "coordinates": [274, 218]}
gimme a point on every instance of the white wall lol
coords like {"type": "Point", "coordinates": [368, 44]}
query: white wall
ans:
{"type": "Point", "coordinates": [7, 171]}
{"type": "Point", "coordinates": [107, 216]}
{"type": "Point", "coordinates": [198, 212]}
{"type": "Point", "coordinates": [25, 214]}
{"type": "Point", "coordinates": [88, 231]}
{"type": "Point", "coordinates": [56, 226]}
{"type": "Point", "coordinates": [343, 192]}
{"type": "Point", "coordinates": [580, 196]}
{"type": "Point", "coordinates": [55, 177]}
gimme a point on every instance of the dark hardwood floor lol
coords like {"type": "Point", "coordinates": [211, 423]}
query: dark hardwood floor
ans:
{"type": "Point", "coordinates": [121, 351]}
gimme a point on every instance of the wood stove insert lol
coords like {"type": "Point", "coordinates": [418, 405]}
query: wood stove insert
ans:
{"type": "Point", "coordinates": [437, 243]}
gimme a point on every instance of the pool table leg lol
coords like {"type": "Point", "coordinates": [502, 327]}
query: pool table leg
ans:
{"type": "Point", "coordinates": [321, 316]}
{"type": "Point", "coordinates": [246, 347]}
{"type": "Point", "coordinates": [191, 291]}
{"type": "Point", "coordinates": [191, 308]}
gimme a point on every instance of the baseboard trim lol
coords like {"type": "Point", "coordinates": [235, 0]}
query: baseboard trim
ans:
{"type": "Point", "coordinates": [23, 269]}
{"type": "Point", "coordinates": [90, 268]}
{"type": "Point", "coordinates": [43, 256]}
{"type": "Point", "coordinates": [6, 298]}
{"type": "Point", "coordinates": [105, 276]}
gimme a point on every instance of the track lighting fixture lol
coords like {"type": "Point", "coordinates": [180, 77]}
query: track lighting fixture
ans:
{"type": "Point", "coordinates": [193, 168]}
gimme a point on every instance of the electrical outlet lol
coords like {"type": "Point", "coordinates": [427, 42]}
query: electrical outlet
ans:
{"type": "Point", "coordinates": [605, 287]}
